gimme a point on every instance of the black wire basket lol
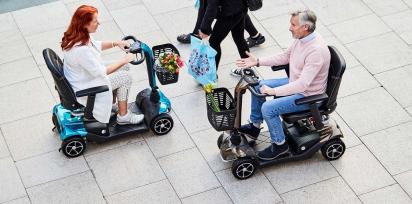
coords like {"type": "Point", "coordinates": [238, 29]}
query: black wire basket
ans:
{"type": "Point", "coordinates": [164, 75]}
{"type": "Point", "coordinates": [224, 118]}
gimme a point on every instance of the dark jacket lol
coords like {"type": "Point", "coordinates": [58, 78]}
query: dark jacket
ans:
{"type": "Point", "coordinates": [215, 9]}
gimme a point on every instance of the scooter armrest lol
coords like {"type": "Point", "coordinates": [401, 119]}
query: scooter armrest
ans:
{"type": "Point", "coordinates": [312, 99]}
{"type": "Point", "coordinates": [280, 67]}
{"type": "Point", "coordinates": [92, 91]}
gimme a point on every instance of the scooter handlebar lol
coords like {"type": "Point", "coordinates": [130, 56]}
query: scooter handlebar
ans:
{"type": "Point", "coordinates": [255, 93]}
{"type": "Point", "coordinates": [135, 48]}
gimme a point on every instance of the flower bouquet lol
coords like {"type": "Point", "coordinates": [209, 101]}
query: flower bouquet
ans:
{"type": "Point", "coordinates": [167, 67]}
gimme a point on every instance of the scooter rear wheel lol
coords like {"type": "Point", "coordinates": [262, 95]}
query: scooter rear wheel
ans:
{"type": "Point", "coordinates": [243, 168]}
{"type": "Point", "coordinates": [333, 149]}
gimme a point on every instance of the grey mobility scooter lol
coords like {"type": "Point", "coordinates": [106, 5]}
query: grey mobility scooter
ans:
{"type": "Point", "coordinates": [76, 124]}
{"type": "Point", "coordinates": [306, 132]}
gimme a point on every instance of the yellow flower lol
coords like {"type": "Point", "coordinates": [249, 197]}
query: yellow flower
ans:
{"type": "Point", "coordinates": [208, 88]}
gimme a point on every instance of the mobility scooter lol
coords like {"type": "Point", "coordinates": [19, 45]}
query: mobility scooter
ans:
{"type": "Point", "coordinates": [75, 123]}
{"type": "Point", "coordinates": [306, 132]}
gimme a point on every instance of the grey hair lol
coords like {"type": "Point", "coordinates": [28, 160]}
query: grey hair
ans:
{"type": "Point", "coordinates": [306, 17]}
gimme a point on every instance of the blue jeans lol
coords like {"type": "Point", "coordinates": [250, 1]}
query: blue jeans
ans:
{"type": "Point", "coordinates": [271, 110]}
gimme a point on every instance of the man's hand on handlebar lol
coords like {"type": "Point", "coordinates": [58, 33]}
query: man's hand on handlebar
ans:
{"type": "Point", "coordinates": [267, 90]}
{"type": "Point", "coordinates": [247, 62]}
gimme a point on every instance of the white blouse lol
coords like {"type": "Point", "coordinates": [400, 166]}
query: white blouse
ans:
{"type": "Point", "coordinates": [83, 67]}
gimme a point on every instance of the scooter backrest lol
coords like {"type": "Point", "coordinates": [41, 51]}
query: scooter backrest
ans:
{"type": "Point", "coordinates": [66, 93]}
{"type": "Point", "coordinates": [336, 69]}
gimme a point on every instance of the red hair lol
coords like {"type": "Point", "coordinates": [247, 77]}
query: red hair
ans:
{"type": "Point", "coordinates": [77, 32]}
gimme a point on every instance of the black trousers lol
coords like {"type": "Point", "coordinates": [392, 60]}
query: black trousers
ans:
{"type": "Point", "coordinates": [249, 27]}
{"type": "Point", "coordinates": [234, 24]}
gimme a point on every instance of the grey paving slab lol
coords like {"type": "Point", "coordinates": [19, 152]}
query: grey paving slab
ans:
{"type": "Point", "coordinates": [48, 167]}
{"type": "Point", "coordinates": [103, 14]}
{"type": "Point", "coordinates": [206, 142]}
{"type": "Point", "coordinates": [177, 22]}
{"type": "Point", "coordinates": [49, 39]}
{"type": "Point", "coordinates": [113, 5]}
{"type": "Point", "coordinates": [82, 188]}
{"type": "Point", "coordinates": [398, 83]}
{"type": "Point", "coordinates": [49, 81]}
{"type": "Point", "coordinates": [386, 7]}
{"type": "Point", "coordinates": [356, 80]}
{"type": "Point", "coordinates": [163, 6]}
{"type": "Point", "coordinates": [134, 20]}
{"type": "Point", "coordinates": [290, 176]}
{"type": "Point", "coordinates": [333, 190]}
{"type": "Point", "coordinates": [4, 150]}
{"type": "Point", "coordinates": [349, 137]}
{"type": "Point", "coordinates": [335, 11]}
{"type": "Point", "coordinates": [409, 110]}
{"type": "Point", "coordinates": [396, 22]}
{"type": "Point", "coordinates": [28, 142]}
{"type": "Point", "coordinates": [19, 70]}
{"type": "Point", "coordinates": [195, 119]}
{"type": "Point", "coordinates": [125, 168]}
{"type": "Point", "coordinates": [277, 8]}
{"type": "Point", "coordinates": [13, 46]}
{"type": "Point", "coordinates": [188, 168]}
{"type": "Point", "coordinates": [371, 111]}
{"type": "Point", "coordinates": [25, 99]}
{"type": "Point", "coordinates": [216, 196]}
{"type": "Point", "coordinates": [381, 53]}
{"type": "Point", "coordinates": [28, 19]}
{"type": "Point", "coordinates": [176, 140]}
{"type": "Point", "coordinates": [24, 200]}
{"type": "Point", "coordinates": [357, 164]}
{"type": "Point", "coordinates": [405, 180]}
{"type": "Point", "coordinates": [366, 26]}
{"type": "Point", "coordinates": [153, 38]}
{"type": "Point", "coordinates": [7, 22]}
{"type": "Point", "coordinates": [256, 189]}
{"type": "Point", "coordinates": [391, 147]}
{"type": "Point", "coordinates": [350, 60]}
{"type": "Point", "coordinates": [390, 194]}
{"type": "Point", "coordinates": [154, 193]}
{"type": "Point", "coordinates": [11, 186]}
{"type": "Point", "coordinates": [278, 27]}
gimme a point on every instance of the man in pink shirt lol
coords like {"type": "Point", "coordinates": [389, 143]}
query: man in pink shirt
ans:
{"type": "Point", "coordinates": [308, 58]}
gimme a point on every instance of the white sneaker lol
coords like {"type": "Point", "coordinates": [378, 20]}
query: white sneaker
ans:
{"type": "Point", "coordinates": [130, 118]}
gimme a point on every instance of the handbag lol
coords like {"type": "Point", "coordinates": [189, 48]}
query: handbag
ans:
{"type": "Point", "coordinates": [254, 5]}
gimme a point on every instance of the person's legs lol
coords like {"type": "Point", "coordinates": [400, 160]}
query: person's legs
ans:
{"type": "Point", "coordinates": [271, 111]}
{"type": "Point", "coordinates": [256, 118]}
{"type": "Point", "coordinates": [121, 81]}
{"type": "Point", "coordinates": [185, 38]}
{"type": "Point", "coordinates": [238, 32]}
{"type": "Point", "coordinates": [249, 27]}
{"type": "Point", "coordinates": [220, 30]}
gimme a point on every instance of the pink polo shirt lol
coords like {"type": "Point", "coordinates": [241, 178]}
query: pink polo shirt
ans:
{"type": "Point", "coordinates": [308, 60]}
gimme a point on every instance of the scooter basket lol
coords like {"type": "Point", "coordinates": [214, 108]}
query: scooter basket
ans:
{"type": "Point", "coordinates": [164, 76]}
{"type": "Point", "coordinates": [224, 119]}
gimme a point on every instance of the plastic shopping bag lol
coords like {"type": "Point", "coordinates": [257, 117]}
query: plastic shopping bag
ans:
{"type": "Point", "coordinates": [201, 62]}
{"type": "Point", "coordinates": [197, 4]}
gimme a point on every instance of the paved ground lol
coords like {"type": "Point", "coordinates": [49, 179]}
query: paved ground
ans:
{"type": "Point", "coordinates": [374, 111]}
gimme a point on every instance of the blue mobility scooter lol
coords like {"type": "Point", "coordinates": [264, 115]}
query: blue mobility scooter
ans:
{"type": "Point", "coordinates": [306, 132]}
{"type": "Point", "coordinates": [75, 123]}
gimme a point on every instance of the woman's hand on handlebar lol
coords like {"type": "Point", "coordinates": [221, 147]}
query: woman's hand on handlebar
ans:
{"type": "Point", "coordinates": [247, 62]}
{"type": "Point", "coordinates": [267, 90]}
{"type": "Point", "coordinates": [123, 45]}
{"type": "Point", "coordinates": [128, 58]}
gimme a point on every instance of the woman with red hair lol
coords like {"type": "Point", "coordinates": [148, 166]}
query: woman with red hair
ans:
{"type": "Point", "coordinates": [84, 68]}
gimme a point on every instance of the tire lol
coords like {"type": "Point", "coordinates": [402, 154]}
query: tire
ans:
{"type": "Point", "coordinates": [333, 149]}
{"type": "Point", "coordinates": [73, 147]}
{"type": "Point", "coordinates": [162, 124]}
{"type": "Point", "coordinates": [220, 141]}
{"type": "Point", "coordinates": [243, 168]}
{"type": "Point", "coordinates": [55, 123]}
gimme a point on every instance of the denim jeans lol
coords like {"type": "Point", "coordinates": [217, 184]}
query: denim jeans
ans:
{"type": "Point", "coordinates": [271, 110]}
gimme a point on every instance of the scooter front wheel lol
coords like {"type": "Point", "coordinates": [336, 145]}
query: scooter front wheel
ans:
{"type": "Point", "coordinates": [243, 168]}
{"type": "Point", "coordinates": [333, 149]}
{"type": "Point", "coordinates": [73, 146]}
{"type": "Point", "coordinates": [162, 124]}
{"type": "Point", "coordinates": [220, 141]}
